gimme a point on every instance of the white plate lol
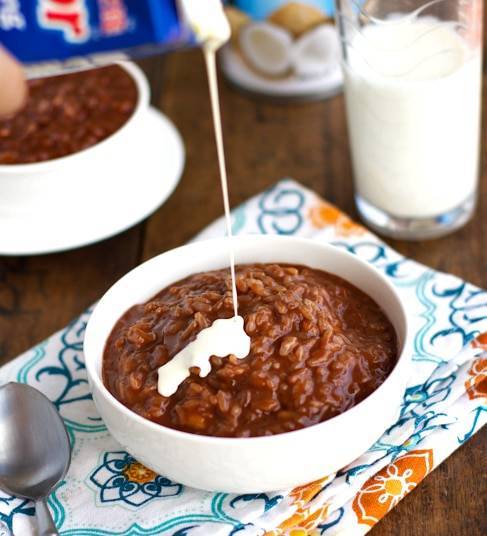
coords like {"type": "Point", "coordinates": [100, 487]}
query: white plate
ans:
{"type": "Point", "coordinates": [236, 70]}
{"type": "Point", "coordinates": [147, 173]}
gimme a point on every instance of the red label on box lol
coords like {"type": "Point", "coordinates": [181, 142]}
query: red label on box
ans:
{"type": "Point", "coordinates": [70, 16]}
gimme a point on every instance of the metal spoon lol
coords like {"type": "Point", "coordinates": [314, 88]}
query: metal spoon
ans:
{"type": "Point", "coordinates": [34, 448]}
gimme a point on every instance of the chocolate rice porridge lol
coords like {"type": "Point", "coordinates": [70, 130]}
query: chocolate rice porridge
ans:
{"type": "Point", "coordinates": [66, 114]}
{"type": "Point", "coordinates": [319, 346]}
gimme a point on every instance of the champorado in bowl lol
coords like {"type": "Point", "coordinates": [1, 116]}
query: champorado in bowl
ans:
{"type": "Point", "coordinates": [324, 378]}
{"type": "Point", "coordinates": [85, 159]}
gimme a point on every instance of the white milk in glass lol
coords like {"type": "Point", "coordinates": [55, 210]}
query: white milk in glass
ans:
{"type": "Point", "coordinates": [413, 106]}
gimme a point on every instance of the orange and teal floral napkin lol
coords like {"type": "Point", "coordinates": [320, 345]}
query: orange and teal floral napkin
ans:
{"type": "Point", "coordinates": [107, 492]}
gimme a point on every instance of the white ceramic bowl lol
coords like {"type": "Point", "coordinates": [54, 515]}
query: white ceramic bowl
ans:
{"type": "Point", "coordinates": [40, 187]}
{"type": "Point", "coordinates": [245, 465]}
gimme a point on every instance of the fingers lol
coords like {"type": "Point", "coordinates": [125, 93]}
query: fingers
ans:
{"type": "Point", "coordinates": [13, 87]}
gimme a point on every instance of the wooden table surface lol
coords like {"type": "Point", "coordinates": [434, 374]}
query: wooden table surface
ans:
{"type": "Point", "coordinates": [265, 141]}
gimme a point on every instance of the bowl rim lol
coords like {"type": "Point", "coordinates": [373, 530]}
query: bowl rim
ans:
{"type": "Point", "coordinates": [401, 363]}
{"type": "Point", "coordinates": [142, 103]}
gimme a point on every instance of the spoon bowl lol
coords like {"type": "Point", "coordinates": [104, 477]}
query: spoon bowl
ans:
{"type": "Point", "coordinates": [34, 450]}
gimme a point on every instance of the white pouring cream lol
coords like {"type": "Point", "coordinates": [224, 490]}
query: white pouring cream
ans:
{"type": "Point", "coordinates": [413, 106]}
{"type": "Point", "coordinates": [207, 21]}
{"type": "Point", "coordinates": [227, 335]}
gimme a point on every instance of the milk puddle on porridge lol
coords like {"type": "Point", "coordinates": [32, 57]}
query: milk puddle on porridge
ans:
{"type": "Point", "coordinates": [225, 336]}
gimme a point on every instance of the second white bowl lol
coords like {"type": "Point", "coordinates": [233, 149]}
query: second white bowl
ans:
{"type": "Point", "coordinates": [95, 193]}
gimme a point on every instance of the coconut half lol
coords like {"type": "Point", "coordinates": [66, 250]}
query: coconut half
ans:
{"type": "Point", "coordinates": [237, 19]}
{"type": "Point", "coordinates": [297, 17]}
{"type": "Point", "coordinates": [316, 52]}
{"type": "Point", "coordinates": [266, 47]}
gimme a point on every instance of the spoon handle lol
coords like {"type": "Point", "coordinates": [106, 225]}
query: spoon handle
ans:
{"type": "Point", "coordinates": [45, 523]}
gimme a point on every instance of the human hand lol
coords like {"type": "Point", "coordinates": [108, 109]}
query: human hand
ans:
{"type": "Point", "coordinates": [13, 87]}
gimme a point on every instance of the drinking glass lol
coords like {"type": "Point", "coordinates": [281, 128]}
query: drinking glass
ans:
{"type": "Point", "coordinates": [412, 75]}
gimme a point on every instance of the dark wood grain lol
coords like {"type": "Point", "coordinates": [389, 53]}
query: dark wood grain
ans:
{"type": "Point", "coordinates": [265, 141]}
{"type": "Point", "coordinates": [41, 294]}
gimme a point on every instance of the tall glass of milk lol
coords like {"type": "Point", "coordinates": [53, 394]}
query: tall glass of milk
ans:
{"type": "Point", "coordinates": [412, 72]}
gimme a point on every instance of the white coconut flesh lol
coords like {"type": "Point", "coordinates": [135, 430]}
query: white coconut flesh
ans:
{"type": "Point", "coordinates": [267, 47]}
{"type": "Point", "coordinates": [315, 52]}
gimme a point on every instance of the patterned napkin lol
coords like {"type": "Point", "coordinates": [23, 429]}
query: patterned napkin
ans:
{"type": "Point", "coordinates": [107, 492]}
